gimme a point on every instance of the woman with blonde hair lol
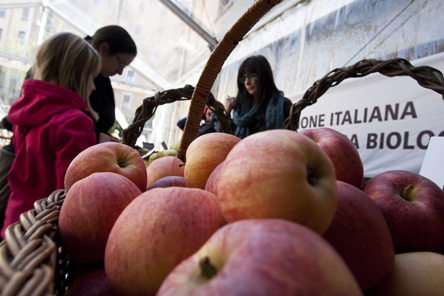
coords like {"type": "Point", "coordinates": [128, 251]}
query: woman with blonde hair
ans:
{"type": "Point", "coordinates": [117, 50]}
{"type": "Point", "coordinates": [52, 120]}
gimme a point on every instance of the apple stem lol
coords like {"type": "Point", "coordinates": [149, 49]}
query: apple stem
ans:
{"type": "Point", "coordinates": [181, 165]}
{"type": "Point", "coordinates": [406, 192]}
{"type": "Point", "coordinates": [311, 177]}
{"type": "Point", "coordinates": [207, 270]}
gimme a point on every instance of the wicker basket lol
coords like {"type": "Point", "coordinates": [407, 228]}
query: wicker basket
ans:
{"type": "Point", "coordinates": [29, 255]}
{"type": "Point", "coordinates": [32, 260]}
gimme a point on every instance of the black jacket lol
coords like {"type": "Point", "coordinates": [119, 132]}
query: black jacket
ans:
{"type": "Point", "coordinates": [102, 101]}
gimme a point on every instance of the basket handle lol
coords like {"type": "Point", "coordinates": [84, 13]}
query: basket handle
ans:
{"type": "Point", "coordinates": [426, 76]}
{"type": "Point", "coordinates": [149, 106]}
{"type": "Point", "coordinates": [213, 67]}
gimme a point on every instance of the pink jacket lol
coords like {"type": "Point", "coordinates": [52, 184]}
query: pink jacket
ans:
{"type": "Point", "coordinates": [50, 129]}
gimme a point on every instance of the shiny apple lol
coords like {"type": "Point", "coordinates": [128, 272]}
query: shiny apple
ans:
{"type": "Point", "coordinates": [164, 167]}
{"type": "Point", "coordinates": [413, 207]}
{"type": "Point", "coordinates": [154, 233]}
{"type": "Point", "coordinates": [278, 174]}
{"type": "Point", "coordinates": [262, 257]}
{"type": "Point", "coordinates": [344, 154]}
{"type": "Point", "coordinates": [204, 154]}
{"type": "Point", "coordinates": [361, 236]}
{"type": "Point", "coordinates": [89, 211]}
{"type": "Point", "coordinates": [110, 157]}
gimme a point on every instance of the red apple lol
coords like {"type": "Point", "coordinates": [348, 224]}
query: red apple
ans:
{"type": "Point", "coordinates": [89, 211]}
{"type": "Point", "coordinates": [91, 283]}
{"type": "Point", "coordinates": [344, 154]}
{"type": "Point", "coordinates": [262, 257]}
{"type": "Point", "coordinates": [414, 274]}
{"type": "Point", "coordinates": [278, 174]}
{"type": "Point", "coordinates": [211, 184]}
{"type": "Point", "coordinates": [158, 230]}
{"type": "Point", "coordinates": [164, 167]}
{"type": "Point", "coordinates": [361, 236]}
{"type": "Point", "coordinates": [168, 181]}
{"type": "Point", "coordinates": [413, 207]}
{"type": "Point", "coordinates": [107, 157]}
{"type": "Point", "coordinates": [204, 154]}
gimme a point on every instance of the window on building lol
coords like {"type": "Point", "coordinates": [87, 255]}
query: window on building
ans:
{"type": "Point", "coordinates": [21, 36]}
{"type": "Point", "coordinates": [223, 5]}
{"type": "Point", "coordinates": [126, 101]}
{"type": "Point", "coordinates": [2, 13]}
{"type": "Point", "coordinates": [25, 14]}
{"type": "Point", "coordinates": [2, 78]}
{"type": "Point", "coordinates": [225, 2]}
{"type": "Point", "coordinates": [1, 31]}
{"type": "Point", "coordinates": [142, 5]}
{"type": "Point", "coordinates": [130, 76]}
{"type": "Point", "coordinates": [129, 118]}
{"type": "Point", "coordinates": [160, 32]}
{"type": "Point", "coordinates": [138, 29]}
{"type": "Point", "coordinates": [15, 88]}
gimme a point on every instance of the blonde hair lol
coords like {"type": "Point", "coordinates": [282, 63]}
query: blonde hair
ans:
{"type": "Point", "coordinates": [68, 60]}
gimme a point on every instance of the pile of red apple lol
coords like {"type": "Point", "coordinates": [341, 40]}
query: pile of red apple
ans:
{"type": "Point", "coordinates": [277, 213]}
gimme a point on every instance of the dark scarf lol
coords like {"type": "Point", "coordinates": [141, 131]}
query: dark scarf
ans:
{"type": "Point", "coordinates": [274, 117]}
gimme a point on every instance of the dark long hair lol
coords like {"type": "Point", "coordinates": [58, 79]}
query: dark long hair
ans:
{"type": "Point", "coordinates": [266, 88]}
{"type": "Point", "coordinates": [118, 39]}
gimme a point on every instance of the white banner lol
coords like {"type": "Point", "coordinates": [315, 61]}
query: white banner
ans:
{"type": "Point", "coordinates": [389, 119]}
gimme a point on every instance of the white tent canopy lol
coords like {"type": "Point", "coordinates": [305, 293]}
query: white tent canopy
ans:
{"type": "Point", "coordinates": [302, 39]}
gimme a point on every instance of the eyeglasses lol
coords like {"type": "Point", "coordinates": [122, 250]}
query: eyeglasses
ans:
{"type": "Point", "coordinates": [249, 76]}
{"type": "Point", "coordinates": [120, 62]}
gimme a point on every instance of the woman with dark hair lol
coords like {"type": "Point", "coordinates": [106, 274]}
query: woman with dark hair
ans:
{"type": "Point", "coordinates": [117, 50]}
{"type": "Point", "coordinates": [258, 105]}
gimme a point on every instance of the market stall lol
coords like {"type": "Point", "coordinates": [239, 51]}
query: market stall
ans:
{"type": "Point", "coordinates": [271, 214]}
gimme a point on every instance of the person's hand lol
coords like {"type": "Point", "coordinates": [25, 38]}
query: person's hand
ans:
{"type": "Point", "coordinates": [103, 138]}
{"type": "Point", "coordinates": [230, 103]}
